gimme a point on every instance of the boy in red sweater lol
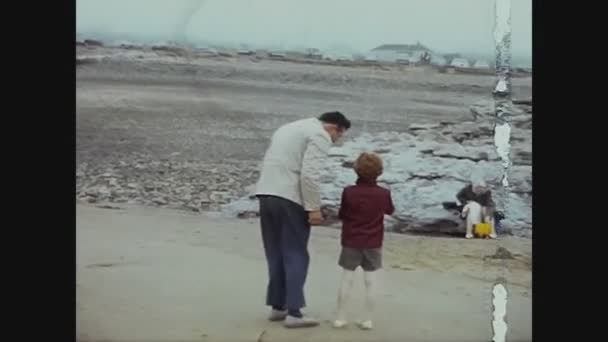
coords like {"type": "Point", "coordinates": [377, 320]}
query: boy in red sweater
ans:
{"type": "Point", "coordinates": [362, 213]}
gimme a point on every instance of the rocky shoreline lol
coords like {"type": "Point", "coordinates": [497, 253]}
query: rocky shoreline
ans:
{"type": "Point", "coordinates": [171, 182]}
{"type": "Point", "coordinates": [427, 166]}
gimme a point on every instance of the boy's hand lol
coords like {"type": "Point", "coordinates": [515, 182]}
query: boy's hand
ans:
{"type": "Point", "coordinates": [315, 218]}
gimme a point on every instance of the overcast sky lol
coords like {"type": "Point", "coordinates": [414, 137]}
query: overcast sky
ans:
{"type": "Point", "coordinates": [446, 25]}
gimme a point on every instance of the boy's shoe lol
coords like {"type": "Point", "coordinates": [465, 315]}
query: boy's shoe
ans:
{"type": "Point", "coordinates": [468, 236]}
{"type": "Point", "coordinates": [296, 322]}
{"type": "Point", "coordinates": [340, 323]}
{"type": "Point", "coordinates": [277, 315]}
{"type": "Point", "coordinates": [366, 325]}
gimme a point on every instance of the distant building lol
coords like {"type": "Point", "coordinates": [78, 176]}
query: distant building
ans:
{"type": "Point", "coordinates": [449, 57]}
{"type": "Point", "coordinates": [125, 44]}
{"type": "Point", "coordinates": [460, 63]}
{"type": "Point", "coordinates": [370, 58]}
{"type": "Point", "coordinates": [344, 58]}
{"type": "Point", "coordinates": [93, 42]}
{"type": "Point", "coordinates": [224, 52]}
{"type": "Point", "coordinates": [277, 54]}
{"type": "Point", "coordinates": [395, 52]}
{"type": "Point", "coordinates": [206, 50]}
{"type": "Point", "coordinates": [403, 58]}
{"type": "Point", "coordinates": [438, 60]}
{"type": "Point", "coordinates": [245, 52]}
{"type": "Point", "coordinates": [314, 53]}
{"type": "Point", "coordinates": [403, 48]}
{"type": "Point", "coordinates": [481, 64]}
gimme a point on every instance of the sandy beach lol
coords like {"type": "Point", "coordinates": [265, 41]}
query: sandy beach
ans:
{"type": "Point", "coordinates": [162, 275]}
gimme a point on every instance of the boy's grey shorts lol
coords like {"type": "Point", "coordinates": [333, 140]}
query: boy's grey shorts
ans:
{"type": "Point", "coordinates": [369, 259]}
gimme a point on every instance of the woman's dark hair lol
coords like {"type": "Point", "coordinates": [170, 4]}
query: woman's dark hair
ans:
{"type": "Point", "coordinates": [335, 118]}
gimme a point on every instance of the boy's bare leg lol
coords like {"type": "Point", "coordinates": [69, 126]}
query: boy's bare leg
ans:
{"type": "Point", "coordinates": [343, 297]}
{"type": "Point", "coordinates": [371, 283]}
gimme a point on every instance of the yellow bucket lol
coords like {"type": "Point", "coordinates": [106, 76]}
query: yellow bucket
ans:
{"type": "Point", "coordinates": [482, 230]}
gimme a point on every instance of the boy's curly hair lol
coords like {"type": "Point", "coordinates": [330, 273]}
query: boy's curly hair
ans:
{"type": "Point", "coordinates": [368, 166]}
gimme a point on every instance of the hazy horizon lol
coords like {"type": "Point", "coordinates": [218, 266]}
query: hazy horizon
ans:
{"type": "Point", "coordinates": [463, 26]}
